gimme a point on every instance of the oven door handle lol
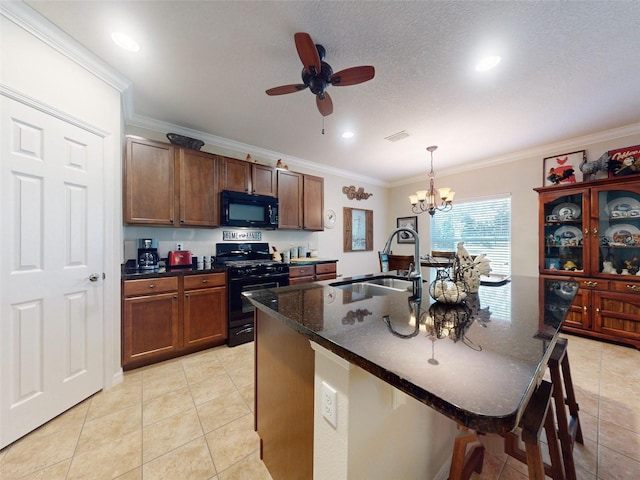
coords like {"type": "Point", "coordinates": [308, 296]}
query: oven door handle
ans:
{"type": "Point", "coordinates": [244, 330]}
{"type": "Point", "coordinates": [259, 277]}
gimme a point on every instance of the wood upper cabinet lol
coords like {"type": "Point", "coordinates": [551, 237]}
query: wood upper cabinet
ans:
{"type": "Point", "coordinates": [301, 201]}
{"type": "Point", "coordinates": [313, 203]}
{"type": "Point", "coordinates": [169, 186]}
{"type": "Point", "coordinates": [242, 176]}
{"type": "Point", "coordinates": [149, 183]}
{"type": "Point", "coordinates": [290, 199]}
{"type": "Point", "coordinates": [197, 195]}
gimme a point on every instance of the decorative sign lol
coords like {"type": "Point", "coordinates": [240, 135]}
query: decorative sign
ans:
{"type": "Point", "coordinates": [352, 193]}
{"type": "Point", "coordinates": [242, 235]}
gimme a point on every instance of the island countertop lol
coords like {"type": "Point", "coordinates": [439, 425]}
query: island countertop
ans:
{"type": "Point", "coordinates": [476, 363]}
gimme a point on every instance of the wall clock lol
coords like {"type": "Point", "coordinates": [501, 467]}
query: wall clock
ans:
{"type": "Point", "coordinates": [329, 218]}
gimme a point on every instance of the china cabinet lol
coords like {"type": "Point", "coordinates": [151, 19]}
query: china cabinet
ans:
{"type": "Point", "coordinates": [590, 233]}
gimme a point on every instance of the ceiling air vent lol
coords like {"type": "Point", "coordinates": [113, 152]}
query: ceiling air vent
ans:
{"type": "Point", "coordinates": [397, 136]}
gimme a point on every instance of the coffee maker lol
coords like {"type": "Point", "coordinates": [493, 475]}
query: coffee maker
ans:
{"type": "Point", "coordinates": [148, 257]}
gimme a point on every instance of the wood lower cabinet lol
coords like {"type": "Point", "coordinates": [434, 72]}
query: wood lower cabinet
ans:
{"type": "Point", "coordinates": [205, 309]}
{"type": "Point", "coordinates": [166, 185]}
{"type": "Point", "coordinates": [606, 309]}
{"type": "Point", "coordinates": [312, 273]}
{"type": "Point", "coordinates": [167, 317]}
{"type": "Point", "coordinates": [150, 320]}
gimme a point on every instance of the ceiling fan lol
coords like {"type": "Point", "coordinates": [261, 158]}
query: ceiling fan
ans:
{"type": "Point", "coordinates": [317, 74]}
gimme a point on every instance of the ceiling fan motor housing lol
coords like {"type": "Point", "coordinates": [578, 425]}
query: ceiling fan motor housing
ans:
{"type": "Point", "coordinates": [318, 83]}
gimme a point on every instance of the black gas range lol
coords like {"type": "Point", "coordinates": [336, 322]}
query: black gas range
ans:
{"type": "Point", "coordinates": [249, 268]}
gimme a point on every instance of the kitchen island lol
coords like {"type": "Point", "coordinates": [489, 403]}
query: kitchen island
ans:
{"type": "Point", "coordinates": [476, 365]}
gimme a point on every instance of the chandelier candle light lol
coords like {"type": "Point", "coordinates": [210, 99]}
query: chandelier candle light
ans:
{"type": "Point", "coordinates": [425, 200]}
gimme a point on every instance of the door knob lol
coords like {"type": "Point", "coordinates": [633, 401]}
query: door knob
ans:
{"type": "Point", "coordinates": [94, 277]}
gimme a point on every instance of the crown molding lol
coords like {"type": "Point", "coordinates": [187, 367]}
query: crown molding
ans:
{"type": "Point", "coordinates": [38, 26]}
{"type": "Point", "coordinates": [571, 144]}
{"type": "Point", "coordinates": [244, 148]}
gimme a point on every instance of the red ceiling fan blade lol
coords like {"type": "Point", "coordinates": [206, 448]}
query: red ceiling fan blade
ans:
{"type": "Point", "coordinates": [352, 76]}
{"type": "Point", "coordinates": [307, 52]}
{"type": "Point", "coordinates": [325, 105]}
{"type": "Point", "coordinates": [286, 89]}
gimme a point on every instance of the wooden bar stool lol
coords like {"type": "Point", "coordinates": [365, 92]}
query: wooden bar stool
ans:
{"type": "Point", "coordinates": [569, 430]}
{"type": "Point", "coordinates": [537, 415]}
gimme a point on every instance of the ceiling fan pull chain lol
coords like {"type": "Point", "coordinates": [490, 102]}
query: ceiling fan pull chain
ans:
{"type": "Point", "coordinates": [323, 125]}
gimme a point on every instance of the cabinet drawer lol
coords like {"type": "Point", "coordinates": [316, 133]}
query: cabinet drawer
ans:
{"type": "Point", "coordinates": [625, 287]}
{"type": "Point", "coordinates": [204, 281]}
{"type": "Point", "coordinates": [326, 276]}
{"type": "Point", "coordinates": [302, 271]}
{"type": "Point", "coordinates": [150, 285]}
{"type": "Point", "coordinates": [593, 284]}
{"type": "Point", "coordinates": [325, 268]}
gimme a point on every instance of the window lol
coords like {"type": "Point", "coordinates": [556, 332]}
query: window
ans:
{"type": "Point", "coordinates": [484, 226]}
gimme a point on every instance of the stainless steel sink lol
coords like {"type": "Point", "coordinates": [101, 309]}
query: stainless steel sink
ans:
{"type": "Point", "coordinates": [376, 286]}
{"type": "Point", "coordinates": [398, 283]}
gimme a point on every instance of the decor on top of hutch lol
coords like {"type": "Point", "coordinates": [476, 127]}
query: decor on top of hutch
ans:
{"type": "Point", "coordinates": [624, 161]}
{"type": "Point", "coordinates": [425, 200]}
{"type": "Point", "coordinates": [358, 194]}
{"type": "Point", "coordinates": [358, 230]}
{"type": "Point", "coordinates": [186, 142]}
{"type": "Point", "coordinates": [407, 222]}
{"type": "Point", "coordinates": [590, 233]}
{"type": "Point", "coordinates": [564, 168]}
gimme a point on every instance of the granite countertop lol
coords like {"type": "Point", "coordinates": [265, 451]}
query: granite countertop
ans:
{"type": "Point", "coordinates": [478, 364]}
{"type": "Point", "coordinates": [133, 273]}
{"type": "Point", "coordinates": [310, 261]}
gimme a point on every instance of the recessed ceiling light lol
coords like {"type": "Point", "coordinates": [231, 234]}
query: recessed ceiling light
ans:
{"type": "Point", "coordinates": [125, 41]}
{"type": "Point", "coordinates": [487, 63]}
{"type": "Point", "coordinates": [347, 134]}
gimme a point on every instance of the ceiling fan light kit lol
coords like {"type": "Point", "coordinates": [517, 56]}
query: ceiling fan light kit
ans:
{"type": "Point", "coordinates": [427, 200]}
{"type": "Point", "coordinates": [317, 75]}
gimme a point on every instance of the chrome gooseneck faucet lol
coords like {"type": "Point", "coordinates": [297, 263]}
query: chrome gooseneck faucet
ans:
{"type": "Point", "coordinates": [415, 272]}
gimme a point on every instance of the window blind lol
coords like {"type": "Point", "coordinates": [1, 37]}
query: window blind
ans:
{"type": "Point", "coordinates": [483, 225]}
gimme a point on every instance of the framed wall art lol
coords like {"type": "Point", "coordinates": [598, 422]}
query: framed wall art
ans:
{"type": "Point", "coordinates": [407, 222]}
{"type": "Point", "coordinates": [564, 168]}
{"type": "Point", "coordinates": [358, 230]}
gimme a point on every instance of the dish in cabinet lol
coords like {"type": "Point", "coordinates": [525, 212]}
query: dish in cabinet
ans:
{"type": "Point", "coordinates": [623, 234]}
{"type": "Point", "coordinates": [568, 235]}
{"type": "Point", "coordinates": [567, 211]}
{"type": "Point", "coordinates": [623, 207]}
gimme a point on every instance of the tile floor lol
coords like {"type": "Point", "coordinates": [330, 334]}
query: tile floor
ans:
{"type": "Point", "coordinates": [191, 418]}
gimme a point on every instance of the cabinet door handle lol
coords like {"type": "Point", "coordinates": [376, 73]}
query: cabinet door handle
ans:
{"type": "Point", "coordinates": [175, 297]}
{"type": "Point", "coordinates": [598, 310]}
{"type": "Point", "coordinates": [171, 220]}
{"type": "Point", "coordinates": [595, 232]}
{"type": "Point", "coordinates": [206, 280]}
{"type": "Point", "coordinates": [586, 231]}
{"type": "Point", "coordinates": [633, 288]}
{"type": "Point", "coordinates": [151, 285]}
{"type": "Point", "coordinates": [584, 308]}
{"type": "Point", "coordinates": [591, 284]}
{"type": "Point", "coordinates": [182, 220]}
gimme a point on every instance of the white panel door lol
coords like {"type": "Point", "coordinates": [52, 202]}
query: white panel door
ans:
{"type": "Point", "coordinates": [51, 317]}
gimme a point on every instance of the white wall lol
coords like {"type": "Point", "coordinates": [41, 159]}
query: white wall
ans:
{"type": "Point", "coordinates": [517, 178]}
{"type": "Point", "coordinates": [32, 68]}
{"type": "Point", "coordinates": [328, 243]}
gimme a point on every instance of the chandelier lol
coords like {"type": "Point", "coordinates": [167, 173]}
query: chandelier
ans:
{"type": "Point", "coordinates": [426, 200]}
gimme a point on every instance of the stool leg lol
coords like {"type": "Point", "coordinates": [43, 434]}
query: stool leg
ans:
{"type": "Point", "coordinates": [563, 422]}
{"type": "Point", "coordinates": [463, 465]}
{"type": "Point", "coordinates": [571, 397]}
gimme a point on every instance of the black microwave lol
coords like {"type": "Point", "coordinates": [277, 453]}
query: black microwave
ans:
{"type": "Point", "coordinates": [250, 211]}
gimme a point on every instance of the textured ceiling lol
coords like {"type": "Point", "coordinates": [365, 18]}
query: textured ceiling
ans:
{"type": "Point", "coordinates": [568, 69]}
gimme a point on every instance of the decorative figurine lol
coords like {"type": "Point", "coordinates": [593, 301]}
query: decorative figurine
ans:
{"type": "Point", "coordinates": [607, 267]}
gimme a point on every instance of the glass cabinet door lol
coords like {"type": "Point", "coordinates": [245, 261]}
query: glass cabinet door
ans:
{"type": "Point", "coordinates": [618, 231]}
{"type": "Point", "coordinates": [564, 221]}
